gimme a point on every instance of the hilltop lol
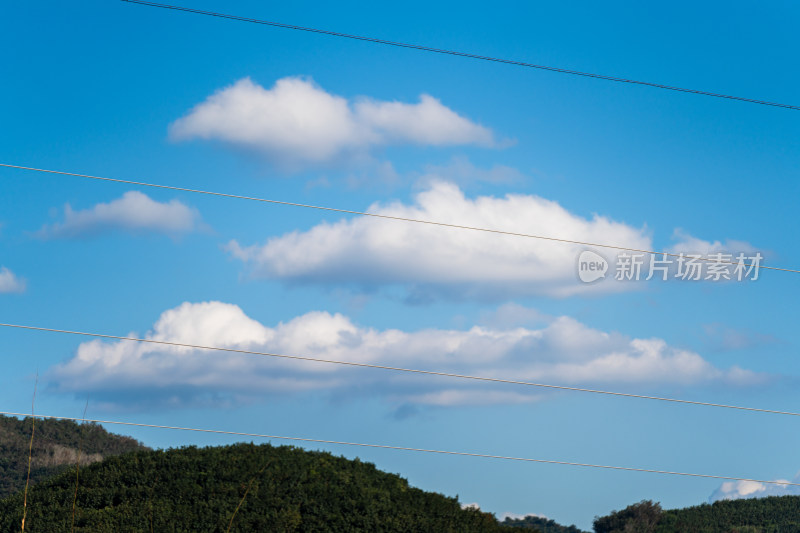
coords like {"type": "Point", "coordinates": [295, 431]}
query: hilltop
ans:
{"type": "Point", "coordinates": [56, 447]}
{"type": "Point", "coordinates": [199, 489]}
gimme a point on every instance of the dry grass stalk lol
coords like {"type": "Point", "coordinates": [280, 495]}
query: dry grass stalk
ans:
{"type": "Point", "coordinates": [78, 464]}
{"type": "Point", "coordinates": [249, 485]}
{"type": "Point", "coordinates": [30, 452]}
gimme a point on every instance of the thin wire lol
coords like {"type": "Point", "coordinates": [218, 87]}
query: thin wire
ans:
{"type": "Point", "coordinates": [400, 369]}
{"type": "Point", "coordinates": [408, 449]}
{"type": "Point", "coordinates": [390, 217]}
{"type": "Point", "coordinates": [461, 54]}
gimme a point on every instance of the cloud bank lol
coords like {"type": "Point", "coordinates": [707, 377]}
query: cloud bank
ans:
{"type": "Point", "coordinates": [134, 212]}
{"type": "Point", "coordinates": [296, 123]}
{"type": "Point", "coordinates": [563, 351]}
{"type": "Point", "coordinates": [10, 282]}
{"type": "Point", "coordinates": [432, 261]}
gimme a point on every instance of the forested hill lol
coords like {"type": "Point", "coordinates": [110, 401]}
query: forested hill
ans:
{"type": "Point", "coordinates": [199, 489]}
{"type": "Point", "coordinates": [755, 515]}
{"type": "Point", "coordinates": [763, 515]}
{"type": "Point", "coordinates": [280, 489]}
{"type": "Point", "coordinates": [56, 447]}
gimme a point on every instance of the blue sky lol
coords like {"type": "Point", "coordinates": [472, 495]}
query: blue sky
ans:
{"type": "Point", "coordinates": [130, 92]}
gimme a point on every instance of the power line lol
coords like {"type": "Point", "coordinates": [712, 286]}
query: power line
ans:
{"type": "Point", "coordinates": [390, 217]}
{"type": "Point", "coordinates": [400, 369]}
{"type": "Point", "coordinates": [461, 54]}
{"type": "Point", "coordinates": [404, 448]}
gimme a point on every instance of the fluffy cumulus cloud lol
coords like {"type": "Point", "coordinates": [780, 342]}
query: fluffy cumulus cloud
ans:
{"type": "Point", "coordinates": [735, 490]}
{"type": "Point", "coordinates": [10, 282]}
{"type": "Point", "coordinates": [432, 261]}
{"type": "Point", "coordinates": [563, 351]}
{"type": "Point", "coordinates": [134, 212]}
{"type": "Point", "coordinates": [296, 123]}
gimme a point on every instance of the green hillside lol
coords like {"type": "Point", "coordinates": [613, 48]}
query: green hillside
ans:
{"type": "Point", "coordinates": [55, 449]}
{"type": "Point", "coordinates": [125, 486]}
{"type": "Point", "coordinates": [755, 515]}
{"type": "Point", "coordinates": [198, 489]}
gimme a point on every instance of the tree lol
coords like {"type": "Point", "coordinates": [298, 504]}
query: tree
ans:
{"type": "Point", "coordinates": [642, 517]}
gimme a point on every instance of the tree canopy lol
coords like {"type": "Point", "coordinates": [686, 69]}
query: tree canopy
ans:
{"type": "Point", "coordinates": [199, 489]}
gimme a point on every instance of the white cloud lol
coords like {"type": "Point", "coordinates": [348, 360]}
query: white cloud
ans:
{"type": "Point", "coordinates": [735, 490]}
{"type": "Point", "coordinates": [687, 243]}
{"type": "Point", "coordinates": [563, 351]}
{"type": "Point", "coordinates": [134, 211]}
{"type": "Point", "coordinates": [296, 123]}
{"type": "Point", "coordinates": [427, 122]}
{"type": "Point", "coordinates": [432, 260]}
{"type": "Point", "coordinates": [10, 282]}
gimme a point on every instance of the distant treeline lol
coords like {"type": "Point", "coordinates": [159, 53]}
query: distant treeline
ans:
{"type": "Point", "coordinates": [544, 525]}
{"type": "Point", "coordinates": [755, 515]}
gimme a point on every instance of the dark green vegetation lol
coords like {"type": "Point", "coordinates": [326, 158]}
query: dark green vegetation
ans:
{"type": "Point", "coordinates": [128, 487]}
{"type": "Point", "coordinates": [198, 489]}
{"type": "Point", "coordinates": [756, 515]}
{"type": "Point", "coordinates": [55, 449]}
{"type": "Point", "coordinates": [642, 517]}
{"type": "Point", "coordinates": [542, 524]}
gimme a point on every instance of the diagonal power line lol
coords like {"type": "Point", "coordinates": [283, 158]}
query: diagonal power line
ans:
{"type": "Point", "coordinates": [400, 369]}
{"type": "Point", "coordinates": [407, 449]}
{"type": "Point", "coordinates": [460, 54]}
{"type": "Point", "coordinates": [390, 217]}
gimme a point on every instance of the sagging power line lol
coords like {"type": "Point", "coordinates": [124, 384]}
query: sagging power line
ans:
{"type": "Point", "coordinates": [400, 369]}
{"type": "Point", "coordinates": [462, 54]}
{"type": "Point", "coordinates": [407, 449]}
{"type": "Point", "coordinates": [390, 217]}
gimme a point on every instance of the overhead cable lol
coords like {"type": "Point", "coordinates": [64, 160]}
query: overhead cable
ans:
{"type": "Point", "coordinates": [461, 54]}
{"type": "Point", "coordinates": [403, 219]}
{"type": "Point", "coordinates": [406, 448]}
{"type": "Point", "coordinates": [400, 369]}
